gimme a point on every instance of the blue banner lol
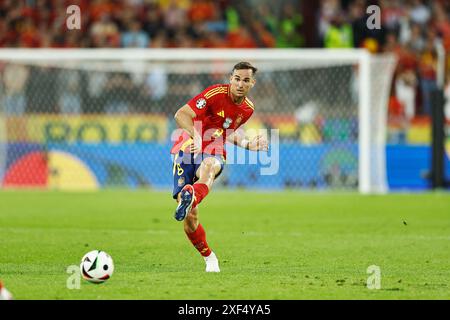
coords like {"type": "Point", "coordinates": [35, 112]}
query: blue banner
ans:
{"type": "Point", "coordinates": [150, 165]}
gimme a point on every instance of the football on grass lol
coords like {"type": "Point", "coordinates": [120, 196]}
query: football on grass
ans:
{"type": "Point", "coordinates": [97, 266]}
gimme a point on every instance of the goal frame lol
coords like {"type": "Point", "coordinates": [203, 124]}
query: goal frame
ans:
{"type": "Point", "coordinates": [361, 57]}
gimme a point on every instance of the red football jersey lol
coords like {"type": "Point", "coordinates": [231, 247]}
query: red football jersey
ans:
{"type": "Point", "coordinates": [216, 112]}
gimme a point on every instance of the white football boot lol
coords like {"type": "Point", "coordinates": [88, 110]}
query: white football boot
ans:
{"type": "Point", "coordinates": [212, 263]}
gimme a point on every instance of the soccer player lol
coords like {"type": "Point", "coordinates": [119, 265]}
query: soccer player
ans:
{"type": "Point", "coordinates": [208, 121]}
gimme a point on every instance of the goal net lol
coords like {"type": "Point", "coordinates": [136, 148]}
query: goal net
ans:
{"type": "Point", "coordinates": [100, 118]}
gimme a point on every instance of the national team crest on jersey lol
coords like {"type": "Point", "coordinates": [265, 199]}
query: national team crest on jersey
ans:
{"type": "Point", "coordinates": [181, 181]}
{"type": "Point", "coordinates": [239, 119]}
{"type": "Point", "coordinates": [200, 103]}
{"type": "Point", "coordinates": [227, 123]}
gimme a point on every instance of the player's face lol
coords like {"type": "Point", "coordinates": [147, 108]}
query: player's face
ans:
{"type": "Point", "coordinates": [241, 82]}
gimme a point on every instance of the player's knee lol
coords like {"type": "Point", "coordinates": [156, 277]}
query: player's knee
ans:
{"type": "Point", "coordinates": [209, 164]}
{"type": "Point", "coordinates": [209, 169]}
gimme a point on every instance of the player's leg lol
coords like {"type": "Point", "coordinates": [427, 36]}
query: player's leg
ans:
{"type": "Point", "coordinates": [183, 174]}
{"type": "Point", "coordinates": [197, 235]}
{"type": "Point", "coordinates": [195, 232]}
{"type": "Point", "coordinates": [206, 173]}
{"type": "Point", "coordinates": [191, 222]}
{"type": "Point", "coordinates": [192, 195]}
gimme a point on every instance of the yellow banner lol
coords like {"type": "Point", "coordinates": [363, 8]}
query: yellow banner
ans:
{"type": "Point", "coordinates": [87, 128]}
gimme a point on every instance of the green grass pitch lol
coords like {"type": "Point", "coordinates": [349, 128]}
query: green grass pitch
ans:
{"type": "Point", "coordinates": [280, 245]}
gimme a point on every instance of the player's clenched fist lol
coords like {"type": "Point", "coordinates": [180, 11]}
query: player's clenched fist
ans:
{"type": "Point", "coordinates": [258, 143]}
{"type": "Point", "coordinates": [196, 145]}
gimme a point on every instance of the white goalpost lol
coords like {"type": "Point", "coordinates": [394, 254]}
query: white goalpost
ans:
{"type": "Point", "coordinates": [331, 105]}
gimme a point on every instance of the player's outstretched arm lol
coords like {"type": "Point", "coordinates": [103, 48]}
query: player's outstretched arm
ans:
{"type": "Point", "coordinates": [258, 143]}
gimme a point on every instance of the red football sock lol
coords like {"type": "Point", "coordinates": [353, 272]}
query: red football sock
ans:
{"type": "Point", "coordinates": [198, 239]}
{"type": "Point", "coordinates": [201, 191]}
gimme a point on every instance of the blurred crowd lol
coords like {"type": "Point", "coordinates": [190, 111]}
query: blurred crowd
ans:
{"type": "Point", "coordinates": [414, 30]}
{"type": "Point", "coordinates": [411, 29]}
{"type": "Point", "coordinates": [152, 23]}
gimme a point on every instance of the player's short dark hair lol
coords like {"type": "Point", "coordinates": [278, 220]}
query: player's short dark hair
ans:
{"type": "Point", "coordinates": [243, 66]}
